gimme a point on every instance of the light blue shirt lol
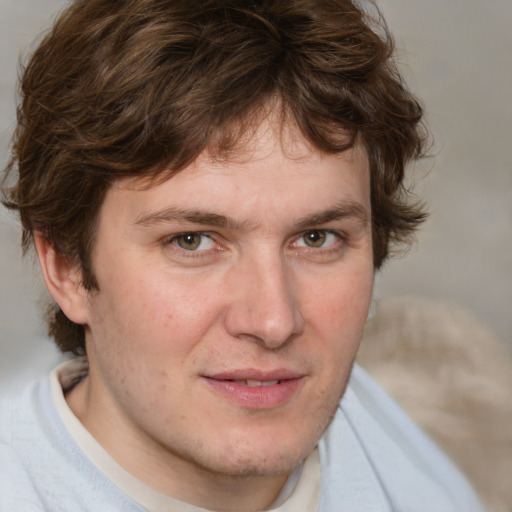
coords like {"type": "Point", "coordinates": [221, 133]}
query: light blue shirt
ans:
{"type": "Point", "coordinates": [373, 459]}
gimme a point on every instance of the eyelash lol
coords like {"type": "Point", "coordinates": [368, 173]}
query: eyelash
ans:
{"type": "Point", "coordinates": [325, 232]}
{"type": "Point", "coordinates": [330, 249]}
{"type": "Point", "coordinates": [170, 242]}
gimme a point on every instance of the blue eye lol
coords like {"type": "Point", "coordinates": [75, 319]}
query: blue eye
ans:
{"type": "Point", "coordinates": [193, 241]}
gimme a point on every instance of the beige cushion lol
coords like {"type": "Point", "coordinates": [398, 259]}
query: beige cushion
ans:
{"type": "Point", "coordinates": [453, 376]}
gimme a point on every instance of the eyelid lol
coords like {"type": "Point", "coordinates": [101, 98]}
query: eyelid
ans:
{"type": "Point", "coordinates": [169, 243]}
{"type": "Point", "coordinates": [336, 246]}
{"type": "Point", "coordinates": [339, 235]}
{"type": "Point", "coordinates": [202, 236]}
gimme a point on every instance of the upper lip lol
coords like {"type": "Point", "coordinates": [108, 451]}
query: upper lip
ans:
{"type": "Point", "coordinates": [256, 374]}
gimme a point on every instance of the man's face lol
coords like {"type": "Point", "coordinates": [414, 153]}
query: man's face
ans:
{"type": "Point", "coordinates": [231, 303]}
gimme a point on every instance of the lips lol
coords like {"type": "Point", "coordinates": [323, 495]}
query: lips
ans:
{"type": "Point", "coordinates": [251, 374]}
{"type": "Point", "coordinates": [254, 389]}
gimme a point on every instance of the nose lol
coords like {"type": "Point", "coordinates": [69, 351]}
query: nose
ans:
{"type": "Point", "coordinates": [264, 306]}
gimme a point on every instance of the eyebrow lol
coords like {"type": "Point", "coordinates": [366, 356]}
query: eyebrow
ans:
{"type": "Point", "coordinates": [351, 209]}
{"type": "Point", "coordinates": [191, 216]}
{"type": "Point", "coordinates": [344, 210]}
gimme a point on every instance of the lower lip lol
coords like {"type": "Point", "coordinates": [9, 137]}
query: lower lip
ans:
{"type": "Point", "coordinates": [258, 397]}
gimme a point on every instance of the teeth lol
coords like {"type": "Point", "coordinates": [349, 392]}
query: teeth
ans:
{"type": "Point", "coordinates": [256, 383]}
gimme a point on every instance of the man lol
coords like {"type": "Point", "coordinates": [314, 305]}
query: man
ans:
{"type": "Point", "coordinates": [210, 188]}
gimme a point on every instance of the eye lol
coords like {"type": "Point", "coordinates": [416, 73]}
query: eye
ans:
{"type": "Point", "coordinates": [317, 238]}
{"type": "Point", "coordinates": [193, 241]}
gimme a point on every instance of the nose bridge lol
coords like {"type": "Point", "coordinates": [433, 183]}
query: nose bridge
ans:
{"type": "Point", "coordinates": [265, 305]}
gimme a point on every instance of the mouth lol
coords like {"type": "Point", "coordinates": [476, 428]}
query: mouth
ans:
{"type": "Point", "coordinates": [257, 383]}
{"type": "Point", "coordinates": [256, 390]}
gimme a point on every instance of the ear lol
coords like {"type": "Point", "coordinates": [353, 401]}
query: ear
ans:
{"type": "Point", "coordinates": [62, 280]}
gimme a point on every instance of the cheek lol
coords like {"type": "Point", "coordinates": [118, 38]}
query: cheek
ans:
{"type": "Point", "coordinates": [152, 312]}
{"type": "Point", "coordinates": [342, 303]}
{"type": "Point", "coordinates": [336, 316]}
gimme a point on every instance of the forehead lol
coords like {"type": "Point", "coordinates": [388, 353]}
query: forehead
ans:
{"type": "Point", "coordinates": [255, 133]}
{"type": "Point", "coordinates": [276, 172]}
{"type": "Point", "coordinates": [271, 130]}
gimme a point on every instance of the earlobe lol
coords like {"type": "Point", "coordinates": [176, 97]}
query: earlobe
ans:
{"type": "Point", "coordinates": [62, 280]}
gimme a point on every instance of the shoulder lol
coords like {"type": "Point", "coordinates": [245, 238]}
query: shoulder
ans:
{"type": "Point", "coordinates": [397, 462]}
{"type": "Point", "coordinates": [46, 470]}
{"type": "Point", "coordinates": [18, 429]}
{"type": "Point", "coordinates": [18, 409]}
{"type": "Point", "coordinates": [17, 492]}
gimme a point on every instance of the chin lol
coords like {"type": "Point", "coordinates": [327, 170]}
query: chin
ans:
{"type": "Point", "coordinates": [272, 454]}
{"type": "Point", "coordinates": [250, 465]}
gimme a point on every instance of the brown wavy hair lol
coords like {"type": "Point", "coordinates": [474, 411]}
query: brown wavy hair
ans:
{"type": "Point", "coordinates": [141, 87]}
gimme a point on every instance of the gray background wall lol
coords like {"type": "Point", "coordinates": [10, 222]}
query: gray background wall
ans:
{"type": "Point", "coordinates": [456, 55]}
